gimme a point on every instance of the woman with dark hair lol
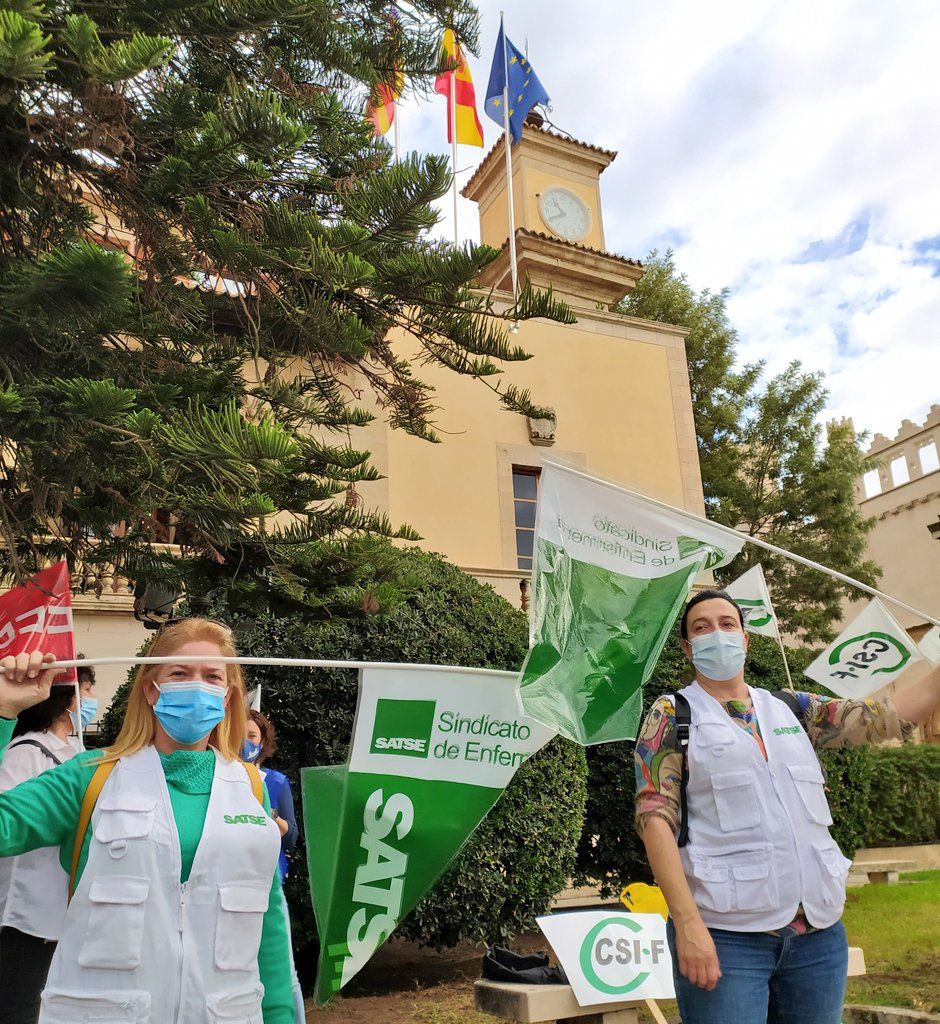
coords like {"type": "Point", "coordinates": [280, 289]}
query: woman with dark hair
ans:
{"type": "Point", "coordinates": [34, 886]}
{"type": "Point", "coordinates": [731, 807]}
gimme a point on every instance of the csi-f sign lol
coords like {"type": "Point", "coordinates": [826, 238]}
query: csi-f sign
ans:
{"type": "Point", "coordinates": [612, 957]}
{"type": "Point", "coordinates": [867, 655]}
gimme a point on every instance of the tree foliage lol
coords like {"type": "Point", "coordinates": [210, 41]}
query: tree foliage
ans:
{"type": "Point", "coordinates": [203, 255]}
{"type": "Point", "coordinates": [768, 466]}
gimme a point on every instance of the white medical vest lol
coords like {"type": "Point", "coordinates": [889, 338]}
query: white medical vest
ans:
{"type": "Point", "coordinates": [759, 842]}
{"type": "Point", "coordinates": [33, 886]}
{"type": "Point", "coordinates": [138, 946]}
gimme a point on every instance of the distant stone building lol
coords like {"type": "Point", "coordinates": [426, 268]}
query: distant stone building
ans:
{"type": "Point", "coordinates": [902, 494]}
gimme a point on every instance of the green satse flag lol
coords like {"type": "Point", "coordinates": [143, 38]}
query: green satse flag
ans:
{"type": "Point", "coordinates": [612, 572]}
{"type": "Point", "coordinates": [432, 750]}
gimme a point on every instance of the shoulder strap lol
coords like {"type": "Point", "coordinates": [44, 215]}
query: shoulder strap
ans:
{"type": "Point", "coordinates": [683, 728]}
{"type": "Point", "coordinates": [95, 785]}
{"type": "Point", "coordinates": [40, 746]}
{"type": "Point", "coordinates": [257, 784]}
{"type": "Point", "coordinates": [792, 701]}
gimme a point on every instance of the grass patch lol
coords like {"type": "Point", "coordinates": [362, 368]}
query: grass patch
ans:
{"type": "Point", "coordinates": [898, 928]}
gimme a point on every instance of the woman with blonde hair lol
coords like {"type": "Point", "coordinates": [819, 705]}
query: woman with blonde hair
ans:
{"type": "Point", "coordinates": [176, 912]}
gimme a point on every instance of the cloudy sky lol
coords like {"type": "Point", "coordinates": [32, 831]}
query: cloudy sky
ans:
{"type": "Point", "coordinates": [789, 151]}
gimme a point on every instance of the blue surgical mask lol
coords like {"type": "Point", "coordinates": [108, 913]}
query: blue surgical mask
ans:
{"type": "Point", "coordinates": [250, 751]}
{"type": "Point", "coordinates": [718, 655]}
{"type": "Point", "coordinates": [89, 708]}
{"type": "Point", "coordinates": [190, 710]}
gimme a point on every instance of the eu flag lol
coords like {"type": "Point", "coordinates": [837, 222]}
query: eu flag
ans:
{"type": "Point", "coordinates": [524, 88]}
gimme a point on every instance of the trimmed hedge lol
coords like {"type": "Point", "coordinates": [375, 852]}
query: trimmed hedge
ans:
{"type": "Point", "coordinates": [524, 851]}
{"type": "Point", "coordinates": [905, 795]}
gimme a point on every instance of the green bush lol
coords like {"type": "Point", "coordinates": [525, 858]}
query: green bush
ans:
{"type": "Point", "coordinates": [612, 854]}
{"type": "Point", "coordinates": [523, 853]}
{"type": "Point", "coordinates": [905, 795]}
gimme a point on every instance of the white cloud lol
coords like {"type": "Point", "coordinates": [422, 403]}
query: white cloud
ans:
{"type": "Point", "coordinates": [763, 141]}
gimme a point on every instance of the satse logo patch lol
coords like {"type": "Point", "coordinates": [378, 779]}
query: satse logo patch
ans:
{"type": "Point", "coordinates": [403, 727]}
{"type": "Point", "coordinates": [615, 957]}
{"type": "Point", "coordinates": [867, 655]}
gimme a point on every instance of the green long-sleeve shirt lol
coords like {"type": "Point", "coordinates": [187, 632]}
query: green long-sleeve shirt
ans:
{"type": "Point", "coordinates": [44, 812]}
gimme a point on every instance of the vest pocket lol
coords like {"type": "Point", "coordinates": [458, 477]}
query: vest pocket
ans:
{"type": "Point", "coordinates": [62, 1007]}
{"type": "Point", "coordinates": [735, 800]}
{"type": "Point", "coordinates": [833, 871]}
{"type": "Point", "coordinates": [238, 929]}
{"type": "Point", "coordinates": [809, 783]}
{"type": "Point", "coordinates": [734, 882]}
{"type": "Point", "coordinates": [115, 931]}
{"type": "Point", "coordinates": [236, 1008]}
{"type": "Point", "coordinates": [128, 817]}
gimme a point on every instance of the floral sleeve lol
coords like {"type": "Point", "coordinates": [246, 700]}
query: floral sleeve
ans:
{"type": "Point", "coordinates": [834, 722]}
{"type": "Point", "coordinates": [658, 765]}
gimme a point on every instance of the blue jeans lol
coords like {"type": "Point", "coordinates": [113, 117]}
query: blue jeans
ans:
{"type": "Point", "coordinates": [765, 979]}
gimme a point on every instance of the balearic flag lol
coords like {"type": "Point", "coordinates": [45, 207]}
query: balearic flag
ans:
{"type": "Point", "coordinates": [872, 651]}
{"type": "Point", "coordinates": [750, 592]}
{"type": "Point", "coordinates": [432, 751]}
{"type": "Point", "coordinates": [612, 572]}
{"type": "Point", "coordinates": [469, 129]}
{"type": "Point", "coordinates": [511, 72]}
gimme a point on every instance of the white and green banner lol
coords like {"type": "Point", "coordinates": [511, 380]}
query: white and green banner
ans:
{"type": "Point", "coordinates": [611, 956]}
{"type": "Point", "coordinates": [929, 645]}
{"type": "Point", "coordinates": [431, 752]}
{"type": "Point", "coordinates": [611, 572]}
{"type": "Point", "coordinates": [870, 653]}
{"type": "Point", "coordinates": [750, 592]}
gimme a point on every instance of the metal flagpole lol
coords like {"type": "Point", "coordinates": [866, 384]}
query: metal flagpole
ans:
{"type": "Point", "coordinates": [395, 129]}
{"type": "Point", "coordinates": [508, 136]}
{"type": "Point", "coordinates": [453, 139]}
{"type": "Point", "coordinates": [757, 542]}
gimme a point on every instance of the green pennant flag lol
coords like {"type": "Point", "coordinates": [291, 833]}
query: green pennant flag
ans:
{"type": "Point", "coordinates": [431, 752]}
{"type": "Point", "coordinates": [612, 572]}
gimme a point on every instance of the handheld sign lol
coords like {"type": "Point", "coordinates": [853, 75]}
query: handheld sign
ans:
{"type": "Point", "coordinates": [610, 956]}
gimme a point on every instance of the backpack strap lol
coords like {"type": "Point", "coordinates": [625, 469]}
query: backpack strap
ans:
{"type": "Point", "coordinates": [257, 783]}
{"type": "Point", "coordinates": [40, 746]}
{"type": "Point", "coordinates": [95, 785]}
{"type": "Point", "coordinates": [683, 729]}
{"type": "Point", "coordinates": [792, 701]}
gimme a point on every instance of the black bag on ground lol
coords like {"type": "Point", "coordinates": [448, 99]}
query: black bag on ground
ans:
{"type": "Point", "coordinates": [522, 968]}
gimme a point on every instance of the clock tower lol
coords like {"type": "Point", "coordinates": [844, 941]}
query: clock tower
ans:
{"type": "Point", "coordinates": [559, 222]}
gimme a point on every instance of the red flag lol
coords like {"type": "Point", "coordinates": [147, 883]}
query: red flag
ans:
{"type": "Point", "coordinates": [38, 617]}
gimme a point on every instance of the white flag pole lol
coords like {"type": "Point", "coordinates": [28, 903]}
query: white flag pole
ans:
{"type": "Point", "coordinates": [395, 129]}
{"type": "Point", "coordinates": [182, 659]}
{"type": "Point", "coordinates": [507, 134]}
{"type": "Point", "coordinates": [757, 542]}
{"type": "Point", "coordinates": [783, 654]}
{"type": "Point", "coordinates": [78, 713]}
{"type": "Point", "coordinates": [453, 140]}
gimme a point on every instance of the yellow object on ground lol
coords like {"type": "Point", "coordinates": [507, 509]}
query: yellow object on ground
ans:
{"type": "Point", "coordinates": [640, 898]}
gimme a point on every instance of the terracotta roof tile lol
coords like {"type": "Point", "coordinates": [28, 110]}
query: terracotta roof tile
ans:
{"type": "Point", "coordinates": [525, 233]}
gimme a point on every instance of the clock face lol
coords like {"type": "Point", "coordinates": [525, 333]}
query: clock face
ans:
{"type": "Point", "coordinates": [566, 214]}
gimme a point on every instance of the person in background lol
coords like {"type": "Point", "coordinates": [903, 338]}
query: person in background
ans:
{"type": "Point", "coordinates": [755, 897]}
{"type": "Point", "coordinates": [34, 886]}
{"type": "Point", "coordinates": [260, 744]}
{"type": "Point", "coordinates": [88, 708]}
{"type": "Point", "coordinates": [176, 916]}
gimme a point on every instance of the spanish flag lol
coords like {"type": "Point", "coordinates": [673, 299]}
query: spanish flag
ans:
{"type": "Point", "coordinates": [469, 129]}
{"type": "Point", "coordinates": [380, 108]}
